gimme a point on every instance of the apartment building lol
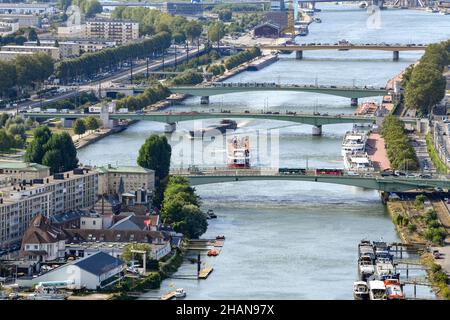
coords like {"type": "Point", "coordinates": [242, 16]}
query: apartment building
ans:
{"type": "Point", "coordinates": [24, 20]}
{"type": "Point", "coordinates": [120, 179]}
{"type": "Point", "coordinates": [12, 172]}
{"type": "Point", "coordinates": [8, 26]}
{"type": "Point", "coordinates": [51, 51]}
{"type": "Point", "coordinates": [59, 193]}
{"type": "Point", "coordinates": [27, 8]}
{"type": "Point", "coordinates": [67, 49]}
{"type": "Point", "coordinates": [121, 31]}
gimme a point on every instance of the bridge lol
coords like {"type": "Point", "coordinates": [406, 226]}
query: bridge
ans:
{"type": "Point", "coordinates": [205, 91]}
{"type": "Point", "coordinates": [316, 120]}
{"type": "Point", "coordinates": [375, 182]}
{"type": "Point", "coordinates": [395, 48]}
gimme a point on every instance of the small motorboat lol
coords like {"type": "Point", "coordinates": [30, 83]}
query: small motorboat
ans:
{"type": "Point", "coordinates": [360, 290]}
{"type": "Point", "coordinates": [394, 289]}
{"type": "Point", "coordinates": [210, 214]}
{"type": "Point", "coordinates": [212, 253]}
{"type": "Point", "coordinates": [220, 237]}
{"type": "Point", "coordinates": [180, 293]}
{"type": "Point", "coordinates": [377, 290]}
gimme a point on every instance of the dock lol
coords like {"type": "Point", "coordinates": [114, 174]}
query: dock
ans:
{"type": "Point", "coordinates": [168, 296]}
{"type": "Point", "coordinates": [204, 273]}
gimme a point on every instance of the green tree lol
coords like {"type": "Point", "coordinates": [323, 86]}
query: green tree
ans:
{"type": "Point", "coordinates": [225, 15]}
{"type": "Point", "coordinates": [155, 154]}
{"type": "Point", "coordinates": [5, 140]}
{"type": "Point", "coordinates": [54, 160]}
{"type": "Point", "coordinates": [91, 8]}
{"type": "Point", "coordinates": [35, 150]}
{"type": "Point", "coordinates": [92, 123]}
{"type": "Point", "coordinates": [216, 32]}
{"type": "Point", "coordinates": [32, 35]}
{"type": "Point", "coordinates": [7, 77]}
{"type": "Point", "coordinates": [79, 127]}
{"type": "Point", "coordinates": [67, 154]}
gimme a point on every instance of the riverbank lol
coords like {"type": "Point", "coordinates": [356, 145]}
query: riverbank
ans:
{"type": "Point", "coordinates": [413, 221]}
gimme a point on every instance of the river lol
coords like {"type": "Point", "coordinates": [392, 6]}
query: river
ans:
{"type": "Point", "coordinates": [289, 240]}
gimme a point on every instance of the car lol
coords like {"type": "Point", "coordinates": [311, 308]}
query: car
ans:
{"type": "Point", "coordinates": [352, 173]}
{"type": "Point", "coordinates": [425, 176]}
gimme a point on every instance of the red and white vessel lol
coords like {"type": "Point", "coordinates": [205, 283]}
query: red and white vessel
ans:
{"type": "Point", "coordinates": [238, 152]}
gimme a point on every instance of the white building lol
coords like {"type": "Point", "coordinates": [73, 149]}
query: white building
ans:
{"type": "Point", "coordinates": [8, 26]}
{"type": "Point", "coordinates": [120, 31]}
{"type": "Point", "coordinates": [93, 272]}
{"type": "Point", "coordinates": [27, 8]}
{"type": "Point", "coordinates": [50, 50]}
{"type": "Point", "coordinates": [67, 49]}
{"type": "Point", "coordinates": [120, 179]}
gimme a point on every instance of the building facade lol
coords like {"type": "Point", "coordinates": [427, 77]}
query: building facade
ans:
{"type": "Point", "coordinates": [67, 49]}
{"type": "Point", "coordinates": [51, 51]}
{"type": "Point", "coordinates": [12, 172]}
{"type": "Point", "coordinates": [120, 31]}
{"type": "Point", "coordinates": [52, 195]}
{"type": "Point", "coordinates": [127, 178]}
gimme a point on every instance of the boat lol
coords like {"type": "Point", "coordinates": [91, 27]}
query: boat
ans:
{"type": "Point", "coordinates": [384, 267]}
{"type": "Point", "coordinates": [394, 289]}
{"type": "Point", "coordinates": [210, 214]}
{"type": "Point", "coordinates": [238, 152]}
{"type": "Point", "coordinates": [318, 20]}
{"type": "Point", "coordinates": [354, 141]}
{"type": "Point", "coordinates": [365, 267]}
{"type": "Point", "coordinates": [212, 253]}
{"type": "Point", "coordinates": [214, 130]}
{"type": "Point", "coordinates": [47, 293]}
{"type": "Point", "coordinates": [382, 250]}
{"type": "Point", "coordinates": [377, 290]}
{"type": "Point", "coordinates": [180, 293]}
{"type": "Point", "coordinates": [444, 12]}
{"type": "Point", "coordinates": [360, 290]}
{"type": "Point", "coordinates": [358, 161]}
{"type": "Point", "coordinates": [220, 237]}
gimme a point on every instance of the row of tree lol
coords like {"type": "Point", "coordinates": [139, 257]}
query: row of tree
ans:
{"type": "Point", "coordinates": [152, 21]}
{"type": "Point", "coordinates": [187, 77]}
{"type": "Point", "coordinates": [149, 96]}
{"type": "Point", "coordinates": [55, 150]}
{"type": "Point", "coordinates": [23, 72]}
{"type": "Point", "coordinates": [242, 57]}
{"type": "Point", "coordinates": [424, 84]}
{"type": "Point", "coordinates": [108, 59]}
{"type": "Point", "coordinates": [399, 151]}
{"type": "Point", "coordinates": [90, 123]}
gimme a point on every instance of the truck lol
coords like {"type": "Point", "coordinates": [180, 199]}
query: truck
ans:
{"type": "Point", "coordinates": [51, 110]}
{"type": "Point", "coordinates": [122, 110]}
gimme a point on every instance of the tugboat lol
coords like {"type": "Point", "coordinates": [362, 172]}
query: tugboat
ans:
{"type": "Point", "coordinates": [238, 152]}
{"type": "Point", "coordinates": [394, 289]}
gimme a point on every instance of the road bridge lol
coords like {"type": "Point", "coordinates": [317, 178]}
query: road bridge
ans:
{"type": "Point", "coordinates": [205, 91]}
{"type": "Point", "coordinates": [395, 48]}
{"type": "Point", "coordinates": [316, 120]}
{"type": "Point", "coordinates": [375, 182]}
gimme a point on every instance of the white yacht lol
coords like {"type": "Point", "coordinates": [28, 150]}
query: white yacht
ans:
{"type": "Point", "coordinates": [384, 267]}
{"type": "Point", "coordinates": [365, 267]}
{"type": "Point", "coordinates": [180, 293]}
{"type": "Point", "coordinates": [354, 141]}
{"type": "Point", "coordinates": [358, 161]}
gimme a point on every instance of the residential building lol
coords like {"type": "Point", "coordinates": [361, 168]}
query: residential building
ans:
{"type": "Point", "coordinates": [75, 31]}
{"type": "Point", "coordinates": [277, 5]}
{"type": "Point", "coordinates": [8, 26]}
{"type": "Point", "coordinates": [11, 55]}
{"type": "Point", "coordinates": [120, 31]}
{"type": "Point", "coordinates": [67, 49]}
{"type": "Point", "coordinates": [24, 20]}
{"type": "Point", "coordinates": [133, 222]}
{"type": "Point", "coordinates": [42, 242]}
{"type": "Point", "coordinates": [92, 272]}
{"type": "Point", "coordinates": [120, 179]}
{"type": "Point", "coordinates": [91, 221]}
{"type": "Point", "coordinates": [52, 195]}
{"type": "Point", "coordinates": [17, 171]}
{"type": "Point", "coordinates": [50, 50]}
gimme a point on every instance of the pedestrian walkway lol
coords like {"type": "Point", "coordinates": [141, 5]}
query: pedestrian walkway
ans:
{"type": "Point", "coordinates": [377, 152]}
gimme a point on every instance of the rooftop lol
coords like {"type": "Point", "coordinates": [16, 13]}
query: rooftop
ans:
{"type": "Point", "coordinates": [22, 166]}
{"type": "Point", "coordinates": [124, 169]}
{"type": "Point", "coordinates": [99, 263]}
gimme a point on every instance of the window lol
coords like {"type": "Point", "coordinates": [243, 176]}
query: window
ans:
{"type": "Point", "coordinates": [93, 222]}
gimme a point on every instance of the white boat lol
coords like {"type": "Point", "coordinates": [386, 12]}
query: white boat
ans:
{"type": "Point", "coordinates": [365, 267]}
{"type": "Point", "coordinates": [354, 141]}
{"type": "Point", "coordinates": [358, 161]}
{"type": "Point", "coordinates": [180, 293]}
{"type": "Point", "coordinates": [360, 290]}
{"type": "Point", "coordinates": [384, 267]}
{"type": "Point", "coordinates": [377, 290]}
{"type": "Point", "coordinates": [444, 12]}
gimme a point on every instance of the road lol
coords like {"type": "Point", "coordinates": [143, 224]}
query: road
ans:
{"type": "Point", "coordinates": [420, 148]}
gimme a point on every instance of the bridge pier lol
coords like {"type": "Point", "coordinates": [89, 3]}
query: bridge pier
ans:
{"type": "Point", "coordinates": [384, 197]}
{"type": "Point", "coordinates": [317, 130]}
{"type": "Point", "coordinates": [299, 55]}
{"type": "Point", "coordinates": [396, 55]}
{"type": "Point", "coordinates": [204, 100]}
{"type": "Point", "coordinates": [354, 102]}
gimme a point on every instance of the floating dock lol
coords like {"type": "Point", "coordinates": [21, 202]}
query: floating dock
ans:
{"type": "Point", "coordinates": [168, 296]}
{"type": "Point", "coordinates": [204, 273]}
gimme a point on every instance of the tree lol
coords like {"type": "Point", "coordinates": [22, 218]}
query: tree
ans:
{"type": "Point", "coordinates": [216, 32]}
{"type": "Point", "coordinates": [54, 160]}
{"type": "Point", "coordinates": [193, 30]}
{"type": "Point", "coordinates": [155, 154]}
{"type": "Point", "coordinates": [32, 35]}
{"type": "Point", "coordinates": [92, 123]}
{"type": "Point", "coordinates": [225, 15]}
{"type": "Point", "coordinates": [5, 140]}
{"type": "Point", "coordinates": [79, 127]}
{"type": "Point", "coordinates": [36, 150]}
{"type": "Point", "coordinates": [7, 77]}
{"type": "Point", "coordinates": [63, 145]}
{"type": "Point", "coordinates": [91, 8]}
